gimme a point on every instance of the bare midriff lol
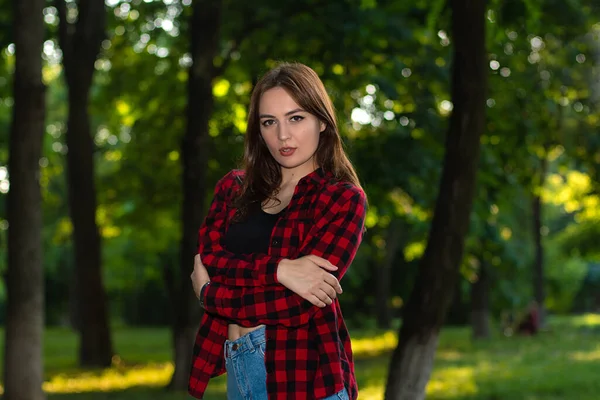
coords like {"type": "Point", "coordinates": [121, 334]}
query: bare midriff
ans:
{"type": "Point", "coordinates": [235, 332]}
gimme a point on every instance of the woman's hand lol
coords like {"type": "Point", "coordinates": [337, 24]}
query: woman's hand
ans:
{"type": "Point", "coordinates": [199, 275]}
{"type": "Point", "coordinates": [308, 277]}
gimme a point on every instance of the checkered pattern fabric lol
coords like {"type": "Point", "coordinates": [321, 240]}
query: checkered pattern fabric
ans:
{"type": "Point", "coordinates": [308, 348]}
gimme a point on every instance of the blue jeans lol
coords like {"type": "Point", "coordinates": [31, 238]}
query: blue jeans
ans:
{"type": "Point", "coordinates": [246, 373]}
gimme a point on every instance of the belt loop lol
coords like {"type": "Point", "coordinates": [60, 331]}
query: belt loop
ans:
{"type": "Point", "coordinates": [249, 343]}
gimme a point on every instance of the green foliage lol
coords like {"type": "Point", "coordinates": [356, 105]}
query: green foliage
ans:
{"type": "Point", "coordinates": [386, 65]}
{"type": "Point", "coordinates": [565, 277]}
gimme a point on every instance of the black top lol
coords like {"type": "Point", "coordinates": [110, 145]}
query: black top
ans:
{"type": "Point", "coordinates": [251, 235]}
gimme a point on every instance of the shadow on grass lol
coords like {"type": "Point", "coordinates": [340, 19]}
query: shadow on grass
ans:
{"type": "Point", "coordinates": [129, 394]}
{"type": "Point", "coordinates": [557, 364]}
{"type": "Point", "coordinates": [560, 363]}
{"type": "Point", "coordinates": [151, 390]}
{"type": "Point", "coordinates": [136, 394]}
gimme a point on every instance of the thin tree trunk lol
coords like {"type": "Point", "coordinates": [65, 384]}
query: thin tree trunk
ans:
{"type": "Point", "coordinates": [412, 360]}
{"type": "Point", "coordinates": [480, 290]}
{"type": "Point", "coordinates": [538, 267]}
{"type": "Point", "coordinates": [205, 24]}
{"type": "Point", "coordinates": [80, 43]}
{"type": "Point", "coordinates": [480, 303]}
{"type": "Point", "coordinates": [23, 366]}
{"type": "Point", "coordinates": [74, 321]}
{"type": "Point", "coordinates": [384, 276]}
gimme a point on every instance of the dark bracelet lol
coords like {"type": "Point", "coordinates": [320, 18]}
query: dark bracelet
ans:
{"type": "Point", "coordinates": [202, 290]}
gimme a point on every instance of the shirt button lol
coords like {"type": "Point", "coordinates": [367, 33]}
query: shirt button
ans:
{"type": "Point", "coordinates": [275, 242]}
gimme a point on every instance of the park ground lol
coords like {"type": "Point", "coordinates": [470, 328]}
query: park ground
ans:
{"type": "Point", "coordinates": [563, 362]}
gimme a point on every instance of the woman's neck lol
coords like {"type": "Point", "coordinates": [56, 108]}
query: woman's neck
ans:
{"type": "Point", "coordinates": [293, 176]}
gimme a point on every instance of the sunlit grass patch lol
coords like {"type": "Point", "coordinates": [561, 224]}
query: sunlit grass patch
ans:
{"type": "Point", "coordinates": [372, 392]}
{"type": "Point", "coordinates": [371, 375]}
{"type": "Point", "coordinates": [563, 362]}
{"type": "Point", "coordinates": [449, 355]}
{"type": "Point", "coordinates": [586, 356]}
{"type": "Point", "coordinates": [133, 382]}
{"type": "Point", "coordinates": [588, 320]}
{"type": "Point", "coordinates": [374, 344]}
{"type": "Point", "coordinates": [560, 363]}
{"type": "Point", "coordinates": [111, 379]}
{"type": "Point", "coordinates": [452, 381]}
{"type": "Point", "coordinates": [132, 346]}
{"type": "Point", "coordinates": [591, 321]}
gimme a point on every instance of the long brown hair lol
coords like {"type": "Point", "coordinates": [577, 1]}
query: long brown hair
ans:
{"type": "Point", "coordinates": [262, 171]}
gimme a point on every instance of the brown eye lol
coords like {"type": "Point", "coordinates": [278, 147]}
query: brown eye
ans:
{"type": "Point", "coordinates": [296, 118]}
{"type": "Point", "coordinates": [268, 122]}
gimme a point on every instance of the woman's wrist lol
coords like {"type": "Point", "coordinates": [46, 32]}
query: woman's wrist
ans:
{"type": "Point", "coordinates": [281, 267]}
{"type": "Point", "coordinates": [202, 291]}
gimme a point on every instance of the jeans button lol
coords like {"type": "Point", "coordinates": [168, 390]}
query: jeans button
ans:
{"type": "Point", "coordinates": [234, 347]}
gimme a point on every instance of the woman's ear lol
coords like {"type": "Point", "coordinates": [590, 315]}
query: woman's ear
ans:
{"type": "Point", "coordinates": [323, 125]}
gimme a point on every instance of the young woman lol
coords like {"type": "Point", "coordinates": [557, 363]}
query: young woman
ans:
{"type": "Point", "coordinates": [278, 237]}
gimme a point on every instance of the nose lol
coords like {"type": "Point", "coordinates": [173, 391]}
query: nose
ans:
{"type": "Point", "coordinates": [283, 132]}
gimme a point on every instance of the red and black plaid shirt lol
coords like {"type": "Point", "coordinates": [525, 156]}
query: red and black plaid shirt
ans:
{"type": "Point", "coordinates": [308, 352]}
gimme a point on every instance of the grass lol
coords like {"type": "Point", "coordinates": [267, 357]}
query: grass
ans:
{"type": "Point", "coordinates": [561, 363]}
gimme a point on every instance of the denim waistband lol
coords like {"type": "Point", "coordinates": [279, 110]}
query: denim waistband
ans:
{"type": "Point", "coordinates": [247, 343]}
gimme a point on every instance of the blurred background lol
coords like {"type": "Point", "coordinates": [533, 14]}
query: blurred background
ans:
{"type": "Point", "coordinates": [144, 109]}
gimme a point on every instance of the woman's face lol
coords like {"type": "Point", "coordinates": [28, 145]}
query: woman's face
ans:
{"type": "Point", "coordinates": [291, 134]}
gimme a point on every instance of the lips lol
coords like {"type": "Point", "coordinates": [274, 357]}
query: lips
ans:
{"type": "Point", "coordinates": [287, 151]}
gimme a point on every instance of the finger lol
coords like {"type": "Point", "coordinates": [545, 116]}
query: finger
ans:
{"type": "Point", "coordinates": [323, 263]}
{"type": "Point", "coordinates": [197, 262]}
{"type": "Point", "coordinates": [316, 301]}
{"type": "Point", "coordinates": [329, 291]}
{"type": "Point", "coordinates": [333, 282]}
{"type": "Point", "coordinates": [323, 296]}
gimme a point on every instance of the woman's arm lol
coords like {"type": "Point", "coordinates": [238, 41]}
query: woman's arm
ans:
{"type": "Point", "coordinates": [335, 237]}
{"type": "Point", "coordinates": [246, 270]}
{"type": "Point", "coordinates": [223, 266]}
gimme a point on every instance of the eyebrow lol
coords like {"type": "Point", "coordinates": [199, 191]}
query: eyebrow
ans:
{"type": "Point", "coordinates": [286, 114]}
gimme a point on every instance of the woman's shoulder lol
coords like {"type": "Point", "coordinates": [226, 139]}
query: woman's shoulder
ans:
{"type": "Point", "coordinates": [230, 180]}
{"type": "Point", "coordinates": [339, 199]}
{"type": "Point", "coordinates": [231, 177]}
{"type": "Point", "coordinates": [344, 188]}
{"type": "Point", "coordinates": [340, 191]}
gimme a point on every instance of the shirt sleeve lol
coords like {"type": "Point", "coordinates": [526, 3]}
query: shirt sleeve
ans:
{"type": "Point", "coordinates": [223, 266]}
{"type": "Point", "coordinates": [336, 237]}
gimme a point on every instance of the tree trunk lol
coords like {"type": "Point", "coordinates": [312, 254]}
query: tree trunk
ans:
{"type": "Point", "coordinates": [412, 360]}
{"type": "Point", "coordinates": [538, 268]}
{"type": "Point", "coordinates": [80, 44]}
{"type": "Point", "coordinates": [480, 303]}
{"type": "Point", "coordinates": [73, 318]}
{"type": "Point", "coordinates": [458, 310]}
{"type": "Point", "coordinates": [23, 366]}
{"type": "Point", "coordinates": [384, 275]}
{"type": "Point", "coordinates": [205, 24]}
{"type": "Point", "coordinates": [480, 290]}
{"type": "Point", "coordinates": [95, 348]}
